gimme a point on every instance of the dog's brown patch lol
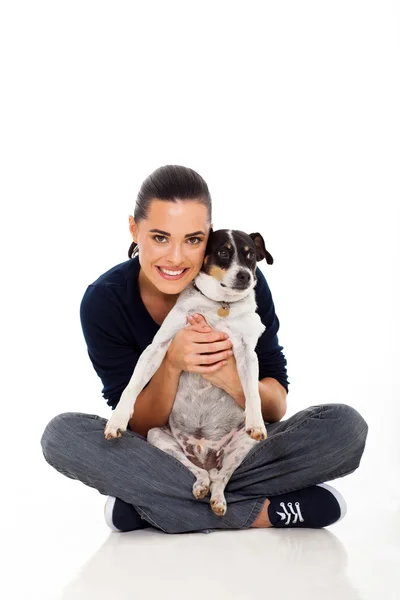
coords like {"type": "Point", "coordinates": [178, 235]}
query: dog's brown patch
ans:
{"type": "Point", "coordinates": [210, 461]}
{"type": "Point", "coordinates": [217, 272]}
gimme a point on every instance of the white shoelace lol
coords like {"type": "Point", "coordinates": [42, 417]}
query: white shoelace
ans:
{"type": "Point", "coordinates": [288, 515]}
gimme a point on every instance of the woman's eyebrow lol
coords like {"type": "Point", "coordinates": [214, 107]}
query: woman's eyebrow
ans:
{"type": "Point", "coordinates": [166, 232]}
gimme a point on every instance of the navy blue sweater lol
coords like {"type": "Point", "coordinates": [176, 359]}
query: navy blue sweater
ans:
{"type": "Point", "coordinates": [117, 328]}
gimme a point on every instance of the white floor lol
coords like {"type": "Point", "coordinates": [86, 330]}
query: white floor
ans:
{"type": "Point", "coordinates": [57, 545]}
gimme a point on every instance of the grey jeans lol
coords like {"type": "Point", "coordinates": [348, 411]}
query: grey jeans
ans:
{"type": "Point", "coordinates": [317, 444]}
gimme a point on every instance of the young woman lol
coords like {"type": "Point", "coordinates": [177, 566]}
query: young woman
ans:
{"type": "Point", "coordinates": [280, 482]}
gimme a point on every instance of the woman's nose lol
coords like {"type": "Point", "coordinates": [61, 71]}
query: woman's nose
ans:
{"type": "Point", "coordinates": [176, 255]}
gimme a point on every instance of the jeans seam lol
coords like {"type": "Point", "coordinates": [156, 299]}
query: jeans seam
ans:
{"type": "Point", "coordinates": [62, 471]}
{"type": "Point", "coordinates": [149, 519]}
{"type": "Point", "coordinates": [258, 504]}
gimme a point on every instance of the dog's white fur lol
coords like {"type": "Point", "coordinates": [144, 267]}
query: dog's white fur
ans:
{"type": "Point", "coordinates": [206, 430]}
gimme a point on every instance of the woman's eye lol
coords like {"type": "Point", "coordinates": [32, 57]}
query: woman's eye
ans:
{"type": "Point", "coordinates": [157, 239]}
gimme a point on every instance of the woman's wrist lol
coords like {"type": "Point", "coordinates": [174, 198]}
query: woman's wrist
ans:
{"type": "Point", "coordinates": [235, 389]}
{"type": "Point", "coordinates": [238, 395]}
{"type": "Point", "coordinates": [171, 368]}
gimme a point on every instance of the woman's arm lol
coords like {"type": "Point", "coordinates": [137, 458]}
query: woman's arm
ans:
{"type": "Point", "coordinates": [273, 398]}
{"type": "Point", "coordinates": [154, 403]}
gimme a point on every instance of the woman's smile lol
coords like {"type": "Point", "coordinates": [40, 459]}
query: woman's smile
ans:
{"type": "Point", "coordinates": [171, 274]}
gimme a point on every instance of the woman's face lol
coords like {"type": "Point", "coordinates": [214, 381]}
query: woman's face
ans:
{"type": "Point", "coordinates": [173, 237]}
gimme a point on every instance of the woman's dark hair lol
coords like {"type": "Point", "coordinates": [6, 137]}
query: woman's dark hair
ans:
{"type": "Point", "coordinates": [170, 183]}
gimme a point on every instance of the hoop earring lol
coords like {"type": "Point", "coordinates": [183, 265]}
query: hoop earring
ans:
{"type": "Point", "coordinates": [133, 250]}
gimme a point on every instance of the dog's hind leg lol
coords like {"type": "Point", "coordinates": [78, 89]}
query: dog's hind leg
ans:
{"type": "Point", "coordinates": [234, 454]}
{"type": "Point", "coordinates": [162, 438]}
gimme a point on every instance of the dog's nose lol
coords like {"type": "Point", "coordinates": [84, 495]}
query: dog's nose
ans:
{"type": "Point", "coordinates": [243, 277]}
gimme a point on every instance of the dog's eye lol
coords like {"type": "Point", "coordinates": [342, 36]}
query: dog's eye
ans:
{"type": "Point", "coordinates": [223, 253]}
{"type": "Point", "coordinates": [251, 255]}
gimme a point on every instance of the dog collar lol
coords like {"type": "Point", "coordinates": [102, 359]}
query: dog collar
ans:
{"type": "Point", "coordinates": [224, 309]}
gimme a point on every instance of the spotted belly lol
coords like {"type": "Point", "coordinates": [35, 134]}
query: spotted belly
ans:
{"type": "Point", "coordinates": [205, 453]}
{"type": "Point", "coordinates": [204, 420]}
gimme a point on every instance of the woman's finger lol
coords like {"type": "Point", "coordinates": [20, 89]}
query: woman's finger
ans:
{"type": "Point", "coordinates": [205, 369]}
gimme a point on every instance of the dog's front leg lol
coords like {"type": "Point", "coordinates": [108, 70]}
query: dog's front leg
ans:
{"type": "Point", "coordinates": [148, 363]}
{"type": "Point", "coordinates": [247, 367]}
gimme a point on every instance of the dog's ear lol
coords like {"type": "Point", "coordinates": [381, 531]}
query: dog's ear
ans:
{"type": "Point", "coordinates": [261, 251]}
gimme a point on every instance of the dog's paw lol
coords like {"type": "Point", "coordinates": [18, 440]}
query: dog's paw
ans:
{"type": "Point", "coordinates": [218, 505]}
{"type": "Point", "coordinates": [201, 487]}
{"type": "Point", "coordinates": [257, 432]}
{"type": "Point", "coordinates": [115, 427]}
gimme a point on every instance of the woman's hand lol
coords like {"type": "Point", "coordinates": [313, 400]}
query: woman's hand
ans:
{"type": "Point", "coordinates": [187, 350]}
{"type": "Point", "coordinates": [225, 376]}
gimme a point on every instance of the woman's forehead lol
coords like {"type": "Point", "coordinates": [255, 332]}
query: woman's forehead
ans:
{"type": "Point", "coordinates": [177, 214]}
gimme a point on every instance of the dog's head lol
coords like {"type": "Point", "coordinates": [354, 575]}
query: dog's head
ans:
{"type": "Point", "coordinates": [230, 261]}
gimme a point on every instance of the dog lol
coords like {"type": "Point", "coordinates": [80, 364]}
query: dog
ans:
{"type": "Point", "coordinates": [207, 430]}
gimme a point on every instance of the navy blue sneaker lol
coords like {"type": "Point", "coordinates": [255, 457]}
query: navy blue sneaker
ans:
{"type": "Point", "coordinates": [316, 506]}
{"type": "Point", "coordinates": [121, 516]}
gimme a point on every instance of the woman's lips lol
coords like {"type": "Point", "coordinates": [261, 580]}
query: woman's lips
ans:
{"type": "Point", "coordinates": [171, 277]}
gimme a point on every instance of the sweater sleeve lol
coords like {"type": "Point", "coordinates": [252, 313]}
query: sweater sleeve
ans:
{"type": "Point", "coordinates": [112, 356]}
{"type": "Point", "coordinates": [271, 360]}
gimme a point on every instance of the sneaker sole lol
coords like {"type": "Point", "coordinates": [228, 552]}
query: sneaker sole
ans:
{"type": "Point", "coordinates": [108, 511]}
{"type": "Point", "coordinates": [341, 501]}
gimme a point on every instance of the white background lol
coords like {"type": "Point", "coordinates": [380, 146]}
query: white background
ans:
{"type": "Point", "coordinates": [290, 112]}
